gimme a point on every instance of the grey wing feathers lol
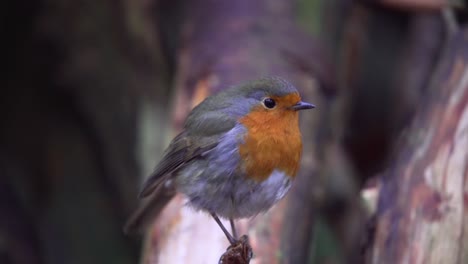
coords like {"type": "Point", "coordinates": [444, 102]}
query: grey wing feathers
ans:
{"type": "Point", "coordinates": [206, 124]}
{"type": "Point", "coordinates": [181, 150]}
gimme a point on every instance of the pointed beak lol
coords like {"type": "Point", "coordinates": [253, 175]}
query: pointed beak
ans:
{"type": "Point", "coordinates": [302, 106]}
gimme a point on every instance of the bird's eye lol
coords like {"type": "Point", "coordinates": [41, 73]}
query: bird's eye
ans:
{"type": "Point", "coordinates": [269, 103]}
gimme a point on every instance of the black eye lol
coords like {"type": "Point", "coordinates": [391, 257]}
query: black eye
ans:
{"type": "Point", "coordinates": [269, 103]}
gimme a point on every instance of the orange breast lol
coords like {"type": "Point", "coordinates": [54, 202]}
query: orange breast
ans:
{"type": "Point", "coordinates": [273, 141]}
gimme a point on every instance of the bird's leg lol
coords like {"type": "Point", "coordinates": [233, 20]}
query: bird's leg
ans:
{"type": "Point", "coordinates": [233, 228]}
{"type": "Point", "coordinates": [231, 239]}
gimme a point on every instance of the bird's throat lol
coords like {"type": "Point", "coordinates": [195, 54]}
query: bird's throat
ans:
{"type": "Point", "coordinates": [273, 141]}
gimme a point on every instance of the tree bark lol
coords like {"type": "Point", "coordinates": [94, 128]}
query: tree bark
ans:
{"type": "Point", "coordinates": [423, 207]}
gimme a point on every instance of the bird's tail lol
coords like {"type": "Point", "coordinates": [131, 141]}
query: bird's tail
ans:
{"type": "Point", "coordinates": [148, 210]}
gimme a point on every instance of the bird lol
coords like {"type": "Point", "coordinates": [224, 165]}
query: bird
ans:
{"type": "Point", "coordinates": [236, 156]}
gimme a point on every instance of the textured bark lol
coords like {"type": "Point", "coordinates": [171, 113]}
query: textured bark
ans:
{"type": "Point", "coordinates": [384, 59]}
{"type": "Point", "coordinates": [225, 43]}
{"type": "Point", "coordinates": [422, 213]}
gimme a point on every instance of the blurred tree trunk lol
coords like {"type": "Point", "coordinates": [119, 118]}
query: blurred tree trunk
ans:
{"type": "Point", "coordinates": [387, 55]}
{"type": "Point", "coordinates": [224, 43]}
{"type": "Point", "coordinates": [384, 59]}
{"type": "Point", "coordinates": [422, 213]}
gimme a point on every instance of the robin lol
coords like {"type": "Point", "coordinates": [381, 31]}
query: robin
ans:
{"type": "Point", "coordinates": [236, 156]}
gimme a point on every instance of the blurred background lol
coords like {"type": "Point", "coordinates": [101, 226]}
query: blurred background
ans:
{"type": "Point", "coordinates": [95, 89]}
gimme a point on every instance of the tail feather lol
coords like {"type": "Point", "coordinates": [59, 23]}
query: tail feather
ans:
{"type": "Point", "coordinates": [148, 210]}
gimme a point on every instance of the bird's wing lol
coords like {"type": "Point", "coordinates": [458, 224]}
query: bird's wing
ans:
{"type": "Point", "coordinates": [182, 149]}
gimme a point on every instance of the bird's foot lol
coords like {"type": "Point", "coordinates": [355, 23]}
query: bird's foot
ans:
{"type": "Point", "coordinates": [239, 252]}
